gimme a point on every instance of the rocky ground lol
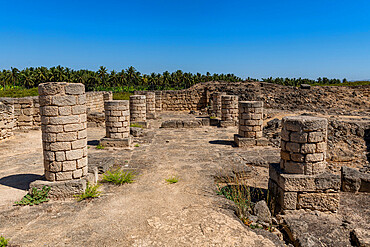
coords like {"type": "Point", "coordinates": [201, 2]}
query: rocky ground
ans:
{"type": "Point", "coordinates": [151, 212]}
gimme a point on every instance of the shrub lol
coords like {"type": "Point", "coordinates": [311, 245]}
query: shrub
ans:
{"type": "Point", "coordinates": [172, 180]}
{"type": "Point", "coordinates": [90, 192]}
{"type": "Point", "coordinates": [35, 197]}
{"type": "Point", "coordinates": [137, 145]}
{"type": "Point", "coordinates": [99, 146]}
{"type": "Point", "coordinates": [3, 241]}
{"type": "Point", "coordinates": [136, 125]}
{"type": "Point", "coordinates": [119, 177]}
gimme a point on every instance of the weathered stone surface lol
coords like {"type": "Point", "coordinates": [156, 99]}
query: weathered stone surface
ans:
{"type": "Point", "coordinates": [361, 237]}
{"type": "Point", "coordinates": [262, 212]}
{"type": "Point", "coordinates": [319, 201]}
{"type": "Point", "coordinates": [61, 189]}
{"type": "Point", "coordinates": [354, 181]}
{"type": "Point", "coordinates": [110, 142]}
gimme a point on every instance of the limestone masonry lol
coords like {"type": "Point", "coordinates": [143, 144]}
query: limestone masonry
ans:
{"type": "Point", "coordinates": [137, 108]}
{"type": "Point", "coordinates": [229, 110]}
{"type": "Point", "coordinates": [7, 121]}
{"type": "Point", "coordinates": [303, 145]}
{"type": "Point", "coordinates": [64, 134]}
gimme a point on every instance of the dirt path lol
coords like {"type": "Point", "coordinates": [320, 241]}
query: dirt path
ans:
{"type": "Point", "coordinates": [149, 212]}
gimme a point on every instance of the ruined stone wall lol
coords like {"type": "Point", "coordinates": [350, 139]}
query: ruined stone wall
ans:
{"type": "Point", "coordinates": [183, 100]}
{"type": "Point", "coordinates": [95, 100]}
{"type": "Point", "coordinates": [7, 121]}
{"type": "Point", "coordinates": [27, 112]}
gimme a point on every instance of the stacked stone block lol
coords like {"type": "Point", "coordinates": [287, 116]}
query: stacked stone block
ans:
{"type": "Point", "coordinates": [117, 122]}
{"type": "Point", "coordinates": [300, 181]}
{"type": "Point", "coordinates": [229, 110]}
{"type": "Point", "coordinates": [303, 145]}
{"type": "Point", "coordinates": [183, 100]}
{"type": "Point", "coordinates": [63, 125]}
{"type": "Point", "coordinates": [7, 121]}
{"type": "Point", "coordinates": [250, 124]}
{"type": "Point", "coordinates": [95, 100]}
{"type": "Point", "coordinates": [150, 105]}
{"type": "Point", "coordinates": [158, 101]}
{"type": "Point", "coordinates": [117, 119]}
{"type": "Point", "coordinates": [216, 103]}
{"type": "Point", "coordinates": [137, 108]}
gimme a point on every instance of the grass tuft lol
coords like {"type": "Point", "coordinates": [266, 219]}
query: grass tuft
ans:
{"type": "Point", "coordinates": [35, 197]}
{"type": "Point", "coordinates": [90, 192]}
{"type": "Point", "coordinates": [3, 241]}
{"type": "Point", "coordinates": [137, 145]}
{"type": "Point", "coordinates": [119, 177]}
{"type": "Point", "coordinates": [172, 180]}
{"type": "Point", "coordinates": [136, 125]}
{"type": "Point", "coordinates": [100, 146]}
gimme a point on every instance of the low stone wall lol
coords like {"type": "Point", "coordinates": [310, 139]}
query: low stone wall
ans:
{"type": "Point", "coordinates": [95, 100]}
{"type": "Point", "coordinates": [27, 112]}
{"type": "Point", "coordinates": [183, 100]}
{"type": "Point", "coordinates": [7, 121]}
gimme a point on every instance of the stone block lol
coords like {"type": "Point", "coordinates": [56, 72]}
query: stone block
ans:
{"type": "Point", "coordinates": [61, 189]}
{"type": "Point", "coordinates": [319, 201]}
{"type": "Point", "coordinates": [244, 142]}
{"type": "Point", "coordinates": [121, 143]}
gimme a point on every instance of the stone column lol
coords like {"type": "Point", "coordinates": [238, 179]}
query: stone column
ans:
{"type": "Point", "coordinates": [250, 124]}
{"type": "Point", "coordinates": [138, 108]}
{"type": "Point", "coordinates": [229, 110]}
{"type": "Point", "coordinates": [216, 103]}
{"type": "Point", "coordinates": [300, 181]}
{"type": "Point", "coordinates": [63, 125]}
{"type": "Point", "coordinates": [158, 101]}
{"type": "Point", "coordinates": [150, 105]}
{"type": "Point", "coordinates": [303, 145]}
{"type": "Point", "coordinates": [117, 124]}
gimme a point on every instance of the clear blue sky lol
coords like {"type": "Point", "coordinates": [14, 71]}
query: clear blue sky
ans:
{"type": "Point", "coordinates": [282, 38]}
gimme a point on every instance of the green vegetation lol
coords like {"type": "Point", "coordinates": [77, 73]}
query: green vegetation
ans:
{"type": "Point", "coordinates": [35, 198]}
{"type": "Point", "coordinates": [121, 96]}
{"type": "Point", "coordinates": [136, 125]}
{"type": "Point", "coordinates": [119, 177]}
{"type": "Point", "coordinates": [212, 117]}
{"type": "Point", "coordinates": [90, 192]}
{"type": "Point", "coordinates": [137, 145]}
{"type": "Point", "coordinates": [172, 180]}
{"type": "Point", "coordinates": [126, 80]}
{"type": "Point", "coordinates": [99, 146]}
{"type": "Point", "coordinates": [18, 92]}
{"type": "Point", "coordinates": [3, 241]}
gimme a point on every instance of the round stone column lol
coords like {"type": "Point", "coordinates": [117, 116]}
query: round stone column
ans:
{"type": "Point", "coordinates": [63, 125]}
{"type": "Point", "coordinates": [158, 101]}
{"type": "Point", "coordinates": [117, 119]}
{"type": "Point", "coordinates": [250, 119]}
{"type": "Point", "coordinates": [137, 108]}
{"type": "Point", "coordinates": [150, 105]}
{"type": "Point", "coordinates": [216, 103]}
{"type": "Point", "coordinates": [229, 110]}
{"type": "Point", "coordinates": [303, 145]}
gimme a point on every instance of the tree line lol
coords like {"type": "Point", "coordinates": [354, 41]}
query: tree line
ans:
{"type": "Point", "coordinates": [298, 81]}
{"type": "Point", "coordinates": [126, 80]}
{"type": "Point", "coordinates": [130, 79]}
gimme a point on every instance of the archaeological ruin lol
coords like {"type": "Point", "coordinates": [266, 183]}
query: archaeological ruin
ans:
{"type": "Point", "coordinates": [299, 158]}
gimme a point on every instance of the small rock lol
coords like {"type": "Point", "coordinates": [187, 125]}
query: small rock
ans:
{"type": "Point", "coordinates": [262, 212]}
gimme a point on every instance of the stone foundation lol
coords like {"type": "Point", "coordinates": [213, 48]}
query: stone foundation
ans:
{"type": "Point", "coordinates": [216, 103]}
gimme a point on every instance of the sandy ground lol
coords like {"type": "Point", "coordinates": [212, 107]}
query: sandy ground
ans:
{"type": "Point", "coordinates": [149, 212]}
